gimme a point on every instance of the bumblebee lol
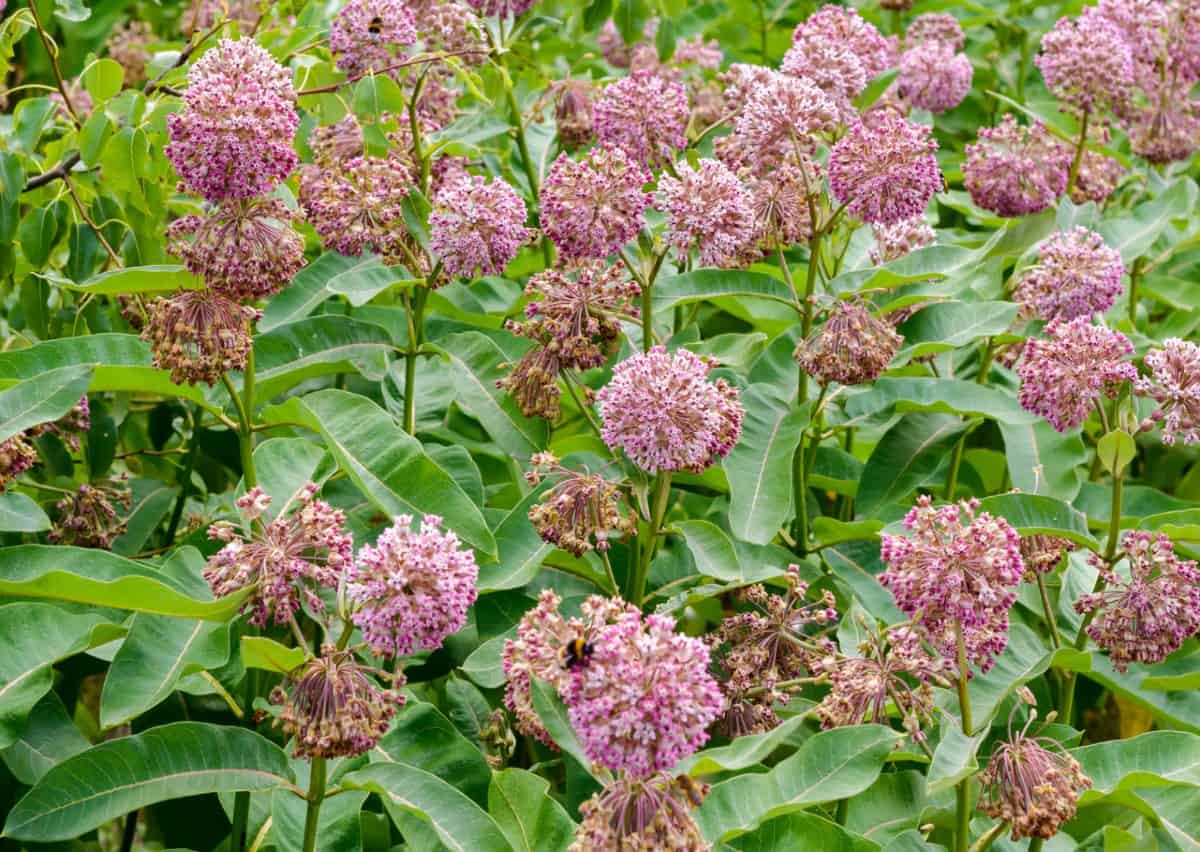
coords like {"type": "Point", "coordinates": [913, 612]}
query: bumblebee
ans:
{"type": "Point", "coordinates": [375, 27]}
{"type": "Point", "coordinates": [575, 653]}
{"type": "Point", "coordinates": [692, 789]}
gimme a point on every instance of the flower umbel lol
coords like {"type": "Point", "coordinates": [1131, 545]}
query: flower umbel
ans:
{"type": "Point", "coordinates": [706, 207]}
{"type": "Point", "coordinates": [636, 814]}
{"type": "Point", "coordinates": [852, 347]}
{"type": "Point", "coordinates": [884, 169]}
{"type": "Point", "coordinates": [581, 511]}
{"type": "Point", "coordinates": [1077, 275]}
{"type": "Point", "coordinates": [88, 517]}
{"type": "Point", "coordinates": [645, 115]}
{"type": "Point", "coordinates": [1174, 383]}
{"type": "Point", "coordinates": [1014, 170]}
{"type": "Point", "coordinates": [198, 335]}
{"type": "Point", "coordinates": [477, 227]}
{"type": "Point", "coordinates": [590, 209]}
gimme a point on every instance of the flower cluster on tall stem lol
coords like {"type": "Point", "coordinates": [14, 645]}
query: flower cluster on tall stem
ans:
{"type": "Point", "coordinates": [581, 511]}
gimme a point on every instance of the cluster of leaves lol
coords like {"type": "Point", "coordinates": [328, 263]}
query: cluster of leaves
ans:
{"type": "Point", "coordinates": [134, 704]}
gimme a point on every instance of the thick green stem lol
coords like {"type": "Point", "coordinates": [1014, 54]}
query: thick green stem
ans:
{"type": "Point", "coordinates": [1079, 149]}
{"type": "Point", "coordinates": [316, 794]}
{"type": "Point", "coordinates": [647, 546]}
{"type": "Point", "coordinates": [1035, 845]}
{"type": "Point", "coordinates": [955, 464]}
{"type": "Point", "coordinates": [415, 310]}
{"type": "Point", "coordinates": [962, 837]}
{"type": "Point", "coordinates": [985, 842]}
{"type": "Point", "coordinates": [647, 319]}
{"type": "Point", "coordinates": [241, 800]}
{"type": "Point", "coordinates": [244, 405]}
{"type": "Point", "coordinates": [962, 802]}
{"type": "Point", "coordinates": [1135, 275]}
{"type": "Point", "coordinates": [185, 478]}
{"type": "Point", "coordinates": [1048, 611]}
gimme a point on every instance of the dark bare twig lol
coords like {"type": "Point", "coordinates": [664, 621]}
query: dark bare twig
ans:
{"type": "Point", "coordinates": [52, 51]}
{"type": "Point", "coordinates": [184, 55]}
{"type": "Point", "coordinates": [60, 171]}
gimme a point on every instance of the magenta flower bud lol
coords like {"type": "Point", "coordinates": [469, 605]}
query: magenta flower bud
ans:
{"type": "Point", "coordinates": [935, 26]}
{"type": "Point", "coordinates": [894, 241]}
{"type": "Point", "coordinates": [476, 227]}
{"type": "Point", "coordinates": [358, 206]}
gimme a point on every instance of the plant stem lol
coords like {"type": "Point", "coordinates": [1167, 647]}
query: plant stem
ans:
{"type": "Point", "coordinates": [962, 809]}
{"type": "Point", "coordinates": [985, 842]}
{"type": "Point", "coordinates": [129, 830]}
{"type": "Point", "coordinates": [955, 464]}
{"type": "Point", "coordinates": [52, 52]}
{"type": "Point", "coordinates": [762, 30]}
{"type": "Point", "coordinates": [647, 319]}
{"type": "Point", "coordinates": [185, 478]}
{"type": "Point", "coordinates": [1079, 149]}
{"type": "Point", "coordinates": [962, 837]}
{"type": "Point", "coordinates": [316, 793]}
{"type": "Point", "coordinates": [647, 546]}
{"type": "Point", "coordinates": [1135, 275]}
{"type": "Point", "coordinates": [415, 311]}
{"type": "Point", "coordinates": [1048, 610]}
{"type": "Point", "coordinates": [241, 800]}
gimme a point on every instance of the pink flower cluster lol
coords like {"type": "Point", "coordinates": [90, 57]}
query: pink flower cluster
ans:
{"type": "Point", "coordinates": [411, 589]}
{"type": "Point", "coordinates": [957, 572]}
{"type": "Point", "coordinates": [358, 205]}
{"type": "Point", "coordinates": [1174, 383]}
{"type": "Point", "coordinates": [645, 115]}
{"type": "Point", "coordinates": [1014, 170]}
{"type": "Point", "coordinates": [1077, 275]}
{"type": "Point", "coordinates": [840, 50]}
{"type": "Point", "coordinates": [666, 415]}
{"type": "Point", "coordinates": [933, 76]}
{"type": "Point", "coordinates": [1086, 62]}
{"type": "Point", "coordinates": [590, 209]}
{"type": "Point", "coordinates": [477, 227]}
{"type": "Point", "coordinates": [781, 117]}
{"type": "Point", "coordinates": [706, 207]}
{"type": "Point", "coordinates": [898, 239]}
{"type": "Point", "coordinates": [365, 34]}
{"type": "Point", "coordinates": [884, 169]}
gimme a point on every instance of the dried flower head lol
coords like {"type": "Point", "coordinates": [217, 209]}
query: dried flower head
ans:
{"type": "Point", "coordinates": [333, 145]}
{"type": "Point", "coordinates": [88, 517]}
{"type": "Point", "coordinates": [70, 427]}
{"type": "Point", "coordinates": [935, 26]}
{"type": "Point", "coordinates": [306, 544]}
{"type": "Point", "coordinates": [1167, 132]}
{"type": "Point", "coordinates": [663, 411]}
{"type": "Point", "coordinates": [533, 382]}
{"type": "Point", "coordinates": [359, 206]}
{"type": "Point", "coordinates": [573, 113]}
{"type": "Point", "coordinates": [784, 117]}
{"type": "Point", "coordinates": [1174, 383]}
{"type": "Point", "coordinates": [477, 227]}
{"type": "Point", "coordinates": [934, 77]}
{"type": "Point", "coordinates": [884, 169]}
{"type": "Point", "coordinates": [1043, 553]}
{"type": "Point", "coordinates": [852, 347]}
{"type": "Point", "coordinates": [1086, 62]}
{"type": "Point", "coordinates": [894, 241]}
{"type": "Point", "coordinates": [233, 139]}
{"type": "Point", "coordinates": [1099, 173]}
{"type": "Point", "coordinates": [1032, 783]}
{"type": "Point", "coordinates": [334, 707]}
{"type": "Point", "coordinates": [632, 814]}
{"type": "Point", "coordinates": [581, 511]}
{"type": "Point", "coordinates": [708, 208]}
{"type": "Point", "coordinates": [1014, 170]}
{"type": "Point", "coordinates": [16, 457]}
{"type": "Point", "coordinates": [366, 34]}
{"type": "Point", "coordinates": [590, 209]}
{"type": "Point", "coordinates": [1147, 617]}
{"type": "Point", "coordinates": [645, 115]}
{"type": "Point", "coordinates": [957, 572]}
{"type": "Point", "coordinates": [244, 250]}
{"type": "Point", "coordinates": [1070, 370]}
{"type": "Point", "coordinates": [198, 335]}
{"type": "Point", "coordinates": [128, 45]}
{"type": "Point", "coordinates": [780, 201]}
{"type": "Point", "coordinates": [1077, 275]}
{"type": "Point", "coordinates": [411, 589]}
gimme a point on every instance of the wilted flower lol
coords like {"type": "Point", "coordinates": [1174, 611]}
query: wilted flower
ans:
{"type": "Point", "coordinates": [884, 169]}
{"type": "Point", "coordinates": [706, 207]}
{"type": "Point", "coordinates": [334, 708]}
{"type": "Point", "coordinates": [612, 45]}
{"type": "Point", "coordinates": [70, 427]}
{"type": "Point", "coordinates": [1070, 370]}
{"type": "Point", "coordinates": [1098, 173]}
{"type": "Point", "coordinates": [573, 113]}
{"type": "Point", "coordinates": [894, 241]}
{"type": "Point", "coordinates": [233, 139]}
{"type": "Point", "coordinates": [365, 34]}
{"type": "Point", "coordinates": [306, 543]}
{"type": "Point", "coordinates": [1014, 170]}
{"type": "Point", "coordinates": [16, 457]}
{"type": "Point", "coordinates": [359, 206]}
{"type": "Point", "coordinates": [581, 511]}
{"type": "Point", "coordinates": [645, 115]}
{"type": "Point", "coordinates": [632, 814]}
{"type": "Point", "coordinates": [244, 250]}
{"type": "Point", "coordinates": [88, 517]}
{"type": "Point", "coordinates": [1147, 617]}
{"type": "Point", "coordinates": [590, 209]}
{"type": "Point", "coordinates": [1043, 553]}
{"type": "Point", "coordinates": [533, 382]}
{"type": "Point", "coordinates": [957, 575]}
{"type": "Point", "coordinates": [411, 589]}
{"type": "Point", "coordinates": [1077, 275]}
{"type": "Point", "coordinates": [477, 227]}
{"type": "Point", "coordinates": [852, 347]}
{"type": "Point", "coordinates": [1174, 383]}
{"type": "Point", "coordinates": [128, 46]}
{"type": "Point", "coordinates": [779, 198]}
{"type": "Point", "coordinates": [666, 415]}
{"type": "Point", "coordinates": [336, 143]}
{"type": "Point", "coordinates": [1032, 783]}
{"type": "Point", "coordinates": [1086, 62]}
{"type": "Point", "coordinates": [935, 26]}
{"type": "Point", "coordinates": [782, 118]}
{"type": "Point", "coordinates": [1167, 132]}
{"type": "Point", "coordinates": [198, 335]}
{"type": "Point", "coordinates": [933, 77]}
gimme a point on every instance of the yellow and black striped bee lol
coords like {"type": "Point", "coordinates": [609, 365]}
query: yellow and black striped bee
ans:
{"type": "Point", "coordinates": [694, 790]}
{"type": "Point", "coordinates": [375, 27]}
{"type": "Point", "coordinates": [575, 653]}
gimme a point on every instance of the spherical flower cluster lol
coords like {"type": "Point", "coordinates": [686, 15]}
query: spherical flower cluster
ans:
{"type": "Point", "coordinates": [1174, 383]}
{"type": "Point", "coordinates": [233, 139]}
{"type": "Point", "coordinates": [306, 543]}
{"type": "Point", "coordinates": [935, 26]}
{"type": "Point", "coordinates": [128, 46]}
{"type": "Point", "coordinates": [334, 708]}
{"type": "Point", "coordinates": [1145, 618]}
{"type": "Point", "coordinates": [1077, 275]}
{"type": "Point", "coordinates": [830, 29]}
{"type": "Point", "coordinates": [1043, 553]}
{"type": "Point", "coordinates": [411, 589]}
{"type": "Point", "coordinates": [364, 34]}
{"type": "Point", "coordinates": [780, 201]}
{"type": "Point", "coordinates": [335, 144]}
{"type": "Point", "coordinates": [1086, 62]}
{"type": "Point", "coordinates": [666, 415]}
{"type": "Point", "coordinates": [834, 68]}
{"type": "Point", "coordinates": [244, 250]}
{"type": "Point", "coordinates": [933, 77]}
{"type": "Point", "coordinates": [1167, 132]}
{"type": "Point", "coordinates": [1031, 783]}
{"type": "Point", "coordinates": [477, 227]}
{"type": "Point", "coordinates": [706, 207]}
{"type": "Point", "coordinates": [697, 51]}
{"type": "Point", "coordinates": [645, 115]}
{"type": "Point", "coordinates": [1099, 173]}
{"type": "Point", "coordinates": [581, 511]}
{"type": "Point", "coordinates": [360, 205]}
{"type": "Point", "coordinates": [198, 335]}
{"type": "Point", "coordinates": [739, 81]}
{"type": "Point", "coordinates": [449, 26]}
{"type": "Point", "coordinates": [590, 209]}
{"type": "Point", "coordinates": [632, 814]}
{"type": "Point", "coordinates": [884, 169]}
{"type": "Point", "coordinates": [206, 14]}
{"type": "Point", "coordinates": [16, 457]}
{"type": "Point", "coordinates": [644, 698]}
{"type": "Point", "coordinates": [1069, 371]}
{"type": "Point", "coordinates": [957, 574]}
{"type": "Point", "coordinates": [537, 652]}
{"type": "Point", "coordinates": [782, 117]}
{"type": "Point", "coordinates": [502, 8]}
{"type": "Point", "coordinates": [88, 516]}
{"type": "Point", "coordinates": [1014, 170]}
{"type": "Point", "coordinates": [894, 241]}
{"type": "Point", "coordinates": [573, 113]}
{"type": "Point", "coordinates": [852, 347]}
{"type": "Point", "coordinates": [70, 427]}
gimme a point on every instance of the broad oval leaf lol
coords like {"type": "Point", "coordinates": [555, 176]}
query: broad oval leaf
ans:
{"type": "Point", "coordinates": [42, 399]}
{"type": "Point", "coordinates": [530, 818]}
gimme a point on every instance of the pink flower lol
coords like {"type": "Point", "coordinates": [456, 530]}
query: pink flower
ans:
{"type": "Point", "coordinates": [933, 77]}
{"type": "Point", "coordinates": [1077, 275]}
{"type": "Point", "coordinates": [358, 206]}
{"type": "Point", "coordinates": [1086, 62]}
{"type": "Point", "coordinates": [1014, 170]}
{"type": "Point", "coordinates": [884, 169]}
{"type": "Point", "coordinates": [935, 26]}
{"type": "Point", "coordinates": [634, 813]}
{"type": "Point", "coordinates": [477, 227]}
{"type": "Point", "coordinates": [365, 34]}
{"type": "Point", "coordinates": [198, 335]}
{"type": "Point", "coordinates": [16, 457]}
{"type": "Point", "coordinates": [233, 139]}
{"type": "Point", "coordinates": [502, 8]}
{"type": "Point", "coordinates": [1174, 383]}
{"type": "Point", "coordinates": [900, 238]}
{"type": "Point", "coordinates": [783, 117]}
{"type": "Point", "coordinates": [591, 209]}
{"type": "Point", "coordinates": [822, 38]}
{"type": "Point", "coordinates": [706, 207]}
{"type": "Point", "coordinates": [644, 115]}
{"type": "Point", "coordinates": [666, 415]}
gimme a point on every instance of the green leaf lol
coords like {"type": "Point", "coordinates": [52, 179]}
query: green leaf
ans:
{"type": "Point", "coordinates": [875, 89]}
{"type": "Point", "coordinates": [122, 775]}
{"type": "Point", "coordinates": [34, 637]}
{"type": "Point", "coordinates": [931, 263]}
{"type": "Point", "coordinates": [1153, 759]}
{"type": "Point", "coordinates": [422, 736]}
{"type": "Point", "coordinates": [103, 579]}
{"type": "Point", "coordinates": [949, 325]}
{"type": "Point", "coordinates": [156, 654]}
{"type": "Point", "coordinates": [259, 652]}
{"type": "Point", "coordinates": [458, 822]}
{"type": "Point", "coordinates": [891, 806]}
{"type": "Point", "coordinates": [954, 757]}
{"type": "Point", "coordinates": [717, 557]}
{"type": "Point", "coordinates": [1174, 808]}
{"type": "Point", "coordinates": [801, 831]}
{"type": "Point", "coordinates": [364, 281]}
{"type": "Point", "coordinates": [1025, 658]}
{"type": "Point", "coordinates": [103, 79]}
{"type": "Point", "coordinates": [307, 290]}
{"type": "Point", "coordinates": [759, 467]}
{"type": "Point", "coordinates": [339, 825]}
{"type": "Point", "coordinates": [530, 818]}
{"type": "Point", "coordinates": [71, 11]}
{"type": "Point", "coordinates": [42, 399]}
{"type": "Point", "coordinates": [475, 366]}
{"type": "Point", "coordinates": [388, 465]}
{"type": "Point", "coordinates": [1135, 233]}
{"type": "Point", "coordinates": [553, 715]}
{"type": "Point", "coordinates": [19, 513]}
{"type": "Point", "coordinates": [318, 346]}
{"type": "Point", "coordinates": [828, 531]}
{"type": "Point", "coordinates": [521, 550]}
{"type": "Point", "coordinates": [39, 231]}
{"type": "Point", "coordinates": [1042, 460]}
{"type": "Point", "coordinates": [707, 284]}
{"type": "Point", "coordinates": [743, 751]}
{"type": "Point", "coordinates": [1116, 450]}
{"type": "Point", "coordinates": [48, 738]}
{"type": "Point", "coordinates": [831, 765]}
{"type": "Point", "coordinates": [905, 457]}
{"type": "Point", "coordinates": [165, 278]}
{"type": "Point", "coordinates": [954, 396]}
{"type": "Point", "coordinates": [1033, 514]}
